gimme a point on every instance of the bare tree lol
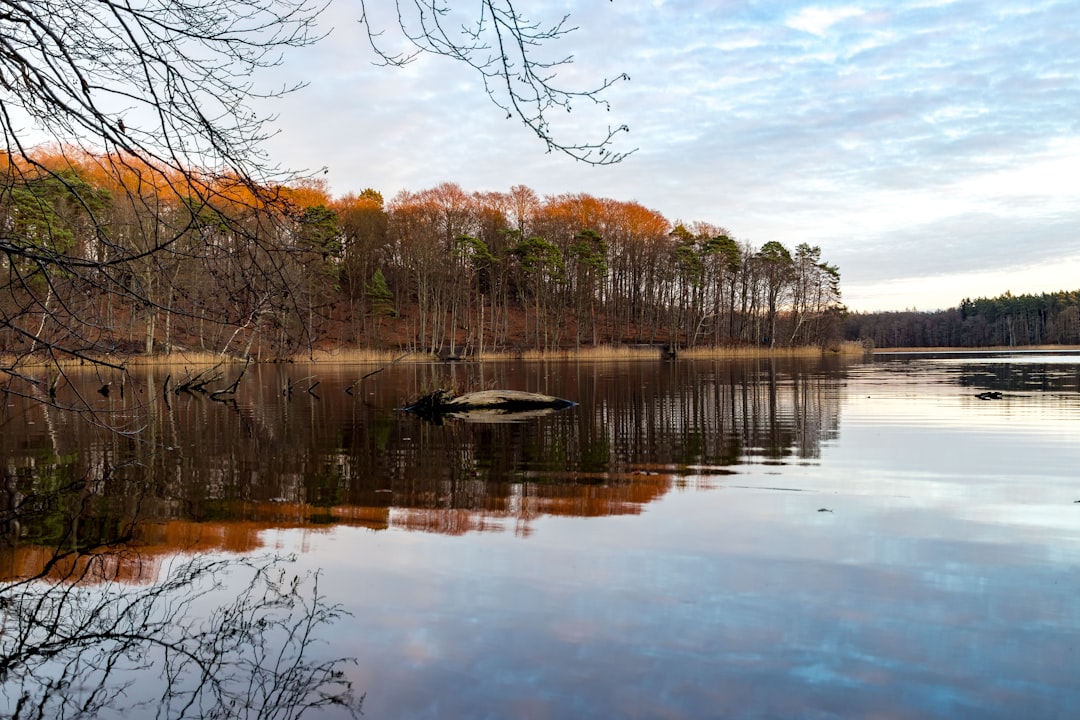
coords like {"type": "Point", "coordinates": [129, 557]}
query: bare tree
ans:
{"type": "Point", "coordinates": [149, 105]}
{"type": "Point", "coordinates": [153, 102]}
{"type": "Point", "coordinates": [168, 82]}
{"type": "Point", "coordinates": [75, 649]}
{"type": "Point", "coordinates": [505, 48]}
{"type": "Point", "coordinates": [93, 628]}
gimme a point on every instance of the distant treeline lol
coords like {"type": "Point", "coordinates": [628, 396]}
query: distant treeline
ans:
{"type": "Point", "coordinates": [98, 254]}
{"type": "Point", "coordinates": [1008, 320]}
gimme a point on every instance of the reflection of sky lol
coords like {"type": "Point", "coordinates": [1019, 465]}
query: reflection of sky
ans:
{"type": "Point", "coordinates": [766, 619]}
{"type": "Point", "coordinates": [941, 582]}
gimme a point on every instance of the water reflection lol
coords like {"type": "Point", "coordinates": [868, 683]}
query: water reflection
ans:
{"type": "Point", "coordinates": [75, 643]}
{"type": "Point", "coordinates": [92, 627]}
{"type": "Point", "coordinates": [1042, 373]}
{"type": "Point", "coordinates": [276, 455]}
{"type": "Point", "coordinates": [941, 585]}
{"type": "Point", "coordinates": [112, 526]}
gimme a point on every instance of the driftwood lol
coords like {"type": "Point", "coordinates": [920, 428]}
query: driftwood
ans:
{"type": "Point", "coordinates": [231, 390]}
{"type": "Point", "coordinates": [196, 382]}
{"type": "Point", "coordinates": [485, 404]}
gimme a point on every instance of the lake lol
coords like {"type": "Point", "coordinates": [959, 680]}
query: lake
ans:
{"type": "Point", "coordinates": [771, 538]}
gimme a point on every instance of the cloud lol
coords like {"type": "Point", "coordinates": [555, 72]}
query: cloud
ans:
{"type": "Point", "coordinates": [905, 138]}
{"type": "Point", "coordinates": [818, 20]}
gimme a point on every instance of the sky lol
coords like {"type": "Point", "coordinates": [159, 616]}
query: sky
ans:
{"type": "Point", "coordinates": [931, 148]}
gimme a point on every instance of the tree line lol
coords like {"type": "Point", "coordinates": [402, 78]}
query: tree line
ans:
{"type": "Point", "coordinates": [160, 220]}
{"type": "Point", "coordinates": [1007, 320]}
{"type": "Point", "coordinates": [101, 259]}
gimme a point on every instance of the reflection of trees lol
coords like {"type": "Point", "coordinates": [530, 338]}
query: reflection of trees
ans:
{"type": "Point", "coordinates": [640, 429]}
{"type": "Point", "coordinates": [83, 650]}
{"type": "Point", "coordinates": [202, 637]}
{"type": "Point", "coordinates": [720, 414]}
{"type": "Point", "coordinates": [980, 371]}
{"type": "Point", "coordinates": [1019, 377]}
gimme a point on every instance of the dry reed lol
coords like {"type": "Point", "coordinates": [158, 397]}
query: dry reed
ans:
{"type": "Point", "coordinates": [360, 356]}
{"type": "Point", "coordinates": [653, 352]}
{"type": "Point", "coordinates": [184, 358]}
{"type": "Point", "coordinates": [596, 353]}
{"type": "Point", "coordinates": [368, 356]}
{"type": "Point", "coordinates": [848, 348]}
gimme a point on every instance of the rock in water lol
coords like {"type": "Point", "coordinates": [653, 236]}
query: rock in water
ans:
{"type": "Point", "coordinates": [444, 402]}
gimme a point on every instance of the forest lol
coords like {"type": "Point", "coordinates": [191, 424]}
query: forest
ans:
{"type": "Point", "coordinates": [1004, 321]}
{"type": "Point", "coordinates": [104, 255]}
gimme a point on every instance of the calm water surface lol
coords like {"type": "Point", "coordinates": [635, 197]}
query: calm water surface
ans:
{"type": "Point", "coordinates": [764, 539]}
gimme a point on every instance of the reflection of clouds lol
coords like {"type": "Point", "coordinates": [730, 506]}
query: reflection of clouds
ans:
{"type": "Point", "coordinates": [941, 585]}
{"type": "Point", "coordinates": [935, 588]}
{"type": "Point", "coordinates": [208, 635]}
{"type": "Point", "coordinates": [724, 633]}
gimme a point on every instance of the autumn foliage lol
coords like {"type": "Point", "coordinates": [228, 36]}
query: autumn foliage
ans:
{"type": "Point", "coordinates": [101, 255]}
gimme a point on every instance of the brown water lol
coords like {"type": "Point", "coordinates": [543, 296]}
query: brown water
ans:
{"type": "Point", "coordinates": [694, 539]}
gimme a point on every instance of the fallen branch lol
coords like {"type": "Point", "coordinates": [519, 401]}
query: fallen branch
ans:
{"type": "Point", "coordinates": [218, 395]}
{"type": "Point", "coordinates": [393, 362]}
{"type": "Point", "coordinates": [197, 383]}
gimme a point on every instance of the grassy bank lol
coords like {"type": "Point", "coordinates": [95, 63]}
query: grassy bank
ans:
{"type": "Point", "coordinates": [364, 356]}
{"type": "Point", "coordinates": [646, 352]}
{"type": "Point", "coordinates": [600, 353]}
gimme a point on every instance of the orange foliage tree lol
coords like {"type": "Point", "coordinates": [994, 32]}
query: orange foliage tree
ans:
{"type": "Point", "coordinates": [156, 221]}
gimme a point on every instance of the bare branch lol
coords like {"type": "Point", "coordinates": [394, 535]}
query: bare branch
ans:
{"type": "Point", "coordinates": [504, 48]}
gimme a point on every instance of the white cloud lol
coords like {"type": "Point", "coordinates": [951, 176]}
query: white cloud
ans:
{"type": "Point", "coordinates": [818, 20]}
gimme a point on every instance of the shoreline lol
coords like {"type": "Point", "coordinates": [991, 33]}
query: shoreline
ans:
{"type": "Point", "coordinates": [1003, 349]}
{"type": "Point", "coordinates": [611, 353]}
{"type": "Point", "coordinates": [362, 356]}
